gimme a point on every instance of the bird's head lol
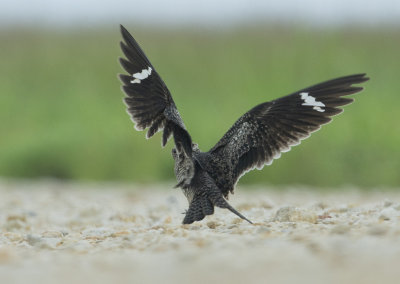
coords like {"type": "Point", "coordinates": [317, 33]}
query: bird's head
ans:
{"type": "Point", "coordinates": [184, 166]}
{"type": "Point", "coordinates": [180, 156]}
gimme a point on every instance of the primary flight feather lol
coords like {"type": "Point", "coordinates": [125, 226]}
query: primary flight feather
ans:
{"type": "Point", "coordinates": [255, 139]}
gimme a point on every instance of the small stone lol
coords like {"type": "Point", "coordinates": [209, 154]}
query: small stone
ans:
{"type": "Point", "coordinates": [324, 216]}
{"type": "Point", "coordinates": [284, 214]}
{"type": "Point", "coordinates": [33, 240]}
{"type": "Point", "coordinates": [21, 218]}
{"type": "Point", "coordinates": [245, 206]}
{"type": "Point", "coordinates": [120, 234]}
{"type": "Point", "coordinates": [263, 230]}
{"type": "Point", "coordinates": [266, 205]}
{"type": "Point", "coordinates": [293, 214]}
{"type": "Point", "coordinates": [51, 243]}
{"type": "Point", "coordinates": [14, 237]}
{"type": "Point", "coordinates": [237, 221]}
{"type": "Point", "coordinates": [15, 222]}
{"type": "Point", "coordinates": [39, 242]}
{"type": "Point", "coordinates": [52, 234]}
{"type": "Point", "coordinates": [191, 227]}
{"type": "Point", "coordinates": [388, 214]}
{"type": "Point", "coordinates": [14, 225]}
{"type": "Point", "coordinates": [321, 205]}
{"type": "Point", "coordinates": [212, 224]}
{"type": "Point", "coordinates": [387, 203]}
{"type": "Point", "coordinates": [82, 246]}
{"type": "Point", "coordinates": [96, 233]}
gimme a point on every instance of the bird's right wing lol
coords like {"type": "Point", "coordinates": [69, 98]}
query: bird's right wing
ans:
{"type": "Point", "coordinates": [148, 99]}
{"type": "Point", "coordinates": [261, 134]}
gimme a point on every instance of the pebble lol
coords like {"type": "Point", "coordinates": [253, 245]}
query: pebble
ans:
{"type": "Point", "coordinates": [389, 213]}
{"type": "Point", "coordinates": [43, 242]}
{"type": "Point", "coordinates": [96, 233]}
{"type": "Point", "coordinates": [294, 214]}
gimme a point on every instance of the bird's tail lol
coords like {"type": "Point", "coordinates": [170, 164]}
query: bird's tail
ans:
{"type": "Point", "coordinates": [203, 205]}
{"type": "Point", "coordinates": [199, 208]}
{"type": "Point", "coordinates": [222, 203]}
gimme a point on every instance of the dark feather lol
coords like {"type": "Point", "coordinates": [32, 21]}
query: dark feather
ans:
{"type": "Point", "coordinates": [268, 129]}
{"type": "Point", "coordinates": [148, 100]}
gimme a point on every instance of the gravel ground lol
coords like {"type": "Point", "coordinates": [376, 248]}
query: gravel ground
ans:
{"type": "Point", "coordinates": [72, 233]}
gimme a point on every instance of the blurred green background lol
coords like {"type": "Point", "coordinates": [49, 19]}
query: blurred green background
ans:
{"type": "Point", "coordinates": [62, 115]}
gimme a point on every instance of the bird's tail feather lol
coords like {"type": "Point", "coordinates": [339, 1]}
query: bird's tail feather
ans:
{"type": "Point", "coordinates": [199, 208]}
{"type": "Point", "coordinates": [222, 203]}
{"type": "Point", "coordinates": [203, 205]}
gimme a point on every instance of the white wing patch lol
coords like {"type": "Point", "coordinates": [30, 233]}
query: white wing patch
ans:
{"type": "Point", "coordinates": [310, 101]}
{"type": "Point", "coordinates": [138, 77]}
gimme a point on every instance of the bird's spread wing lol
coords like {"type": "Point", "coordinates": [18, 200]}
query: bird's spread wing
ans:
{"type": "Point", "coordinates": [267, 130]}
{"type": "Point", "coordinates": [149, 102]}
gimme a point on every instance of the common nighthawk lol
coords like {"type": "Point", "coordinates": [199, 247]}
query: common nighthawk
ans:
{"type": "Point", "coordinates": [255, 139]}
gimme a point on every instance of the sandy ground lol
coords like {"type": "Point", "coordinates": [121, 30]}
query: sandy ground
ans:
{"type": "Point", "coordinates": [72, 233]}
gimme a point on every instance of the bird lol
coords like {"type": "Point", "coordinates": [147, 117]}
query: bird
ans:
{"type": "Point", "coordinates": [257, 138]}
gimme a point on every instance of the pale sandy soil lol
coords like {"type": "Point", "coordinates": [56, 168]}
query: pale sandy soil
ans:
{"type": "Point", "coordinates": [109, 233]}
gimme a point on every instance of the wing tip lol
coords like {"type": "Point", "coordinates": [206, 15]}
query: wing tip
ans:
{"type": "Point", "coordinates": [119, 77]}
{"type": "Point", "coordinates": [123, 30]}
{"type": "Point", "coordinates": [356, 79]}
{"type": "Point", "coordinates": [362, 78]}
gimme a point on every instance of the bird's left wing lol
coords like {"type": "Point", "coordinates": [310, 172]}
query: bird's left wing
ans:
{"type": "Point", "coordinates": [261, 134]}
{"type": "Point", "coordinates": [148, 99]}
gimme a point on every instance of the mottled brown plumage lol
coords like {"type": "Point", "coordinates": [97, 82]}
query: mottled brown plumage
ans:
{"type": "Point", "coordinates": [255, 139]}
